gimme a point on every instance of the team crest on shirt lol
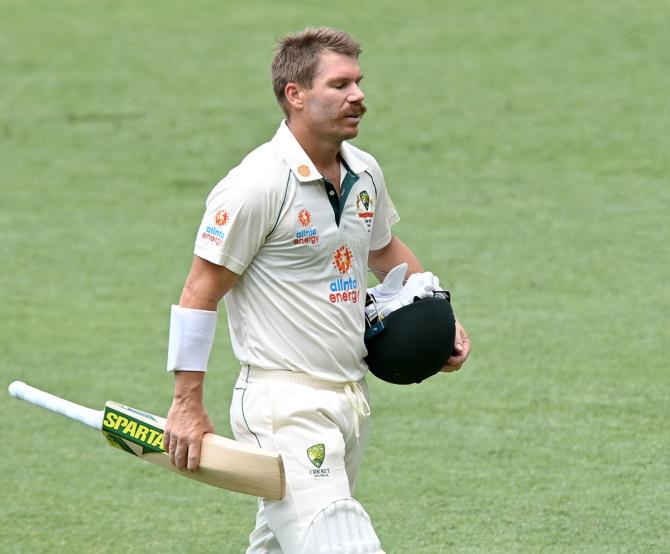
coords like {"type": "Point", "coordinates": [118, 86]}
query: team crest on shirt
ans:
{"type": "Point", "coordinates": [365, 209]}
{"type": "Point", "coordinates": [317, 454]}
{"type": "Point", "coordinates": [214, 233]}
{"type": "Point", "coordinates": [343, 289]}
{"type": "Point", "coordinates": [307, 234]}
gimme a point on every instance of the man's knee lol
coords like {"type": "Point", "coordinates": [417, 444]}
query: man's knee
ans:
{"type": "Point", "coordinates": [342, 527]}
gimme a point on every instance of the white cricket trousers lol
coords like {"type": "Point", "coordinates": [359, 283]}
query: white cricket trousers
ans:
{"type": "Point", "coordinates": [320, 429]}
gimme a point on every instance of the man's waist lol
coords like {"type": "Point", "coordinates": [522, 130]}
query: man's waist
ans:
{"type": "Point", "coordinates": [252, 373]}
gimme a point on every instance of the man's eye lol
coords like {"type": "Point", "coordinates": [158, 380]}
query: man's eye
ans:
{"type": "Point", "coordinates": [339, 86]}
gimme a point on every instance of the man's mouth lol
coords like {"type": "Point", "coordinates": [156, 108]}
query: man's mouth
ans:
{"type": "Point", "coordinates": [356, 115]}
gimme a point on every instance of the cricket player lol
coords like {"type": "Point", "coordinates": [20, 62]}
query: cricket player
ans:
{"type": "Point", "coordinates": [286, 240]}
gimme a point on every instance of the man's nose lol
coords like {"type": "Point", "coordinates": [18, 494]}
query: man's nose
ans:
{"type": "Point", "coordinates": [356, 95]}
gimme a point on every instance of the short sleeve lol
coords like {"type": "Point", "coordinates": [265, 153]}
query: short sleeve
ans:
{"type": "Point", "coordinates": [238, 217]}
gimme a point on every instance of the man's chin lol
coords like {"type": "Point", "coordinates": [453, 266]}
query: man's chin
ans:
{"type": "Point", "coordinates": [351, 132]}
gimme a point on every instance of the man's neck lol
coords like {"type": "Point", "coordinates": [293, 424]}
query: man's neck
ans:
{"type": "Point", "coordinates": [323, 153]}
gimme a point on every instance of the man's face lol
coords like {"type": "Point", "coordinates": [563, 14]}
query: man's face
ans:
{"type": "Point", "coordinates": [333, 107]}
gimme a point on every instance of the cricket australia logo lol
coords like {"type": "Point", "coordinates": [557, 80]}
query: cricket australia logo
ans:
{"type": "Point", "coordinates": [317, 455]}
{"type": "Point", "coordinates": [306, 235]}
{"type": "Point", "coordinates": [365, 209]}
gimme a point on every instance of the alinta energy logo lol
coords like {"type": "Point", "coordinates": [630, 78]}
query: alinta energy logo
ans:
{"type": "Point", "coordinates": [365, 209]}
{"type": "Point", "coordinates": [343, 289]}
{"type": "Point", "coordinates": [214, 233]}
{"type": "Point", "coordinates": [306, 235]}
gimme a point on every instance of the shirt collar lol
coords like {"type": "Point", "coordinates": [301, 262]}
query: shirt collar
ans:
{"type": "Point", "coordinates": [300, 164]}
{"type": "Point", "coordinates": [348, 153]}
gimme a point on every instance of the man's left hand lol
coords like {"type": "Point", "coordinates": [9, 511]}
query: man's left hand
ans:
{"type": "Point", "coordinates": [461, 350]}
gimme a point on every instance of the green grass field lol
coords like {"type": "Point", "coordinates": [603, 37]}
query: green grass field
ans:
{"type": "Point", "coordinates": [526, 147]}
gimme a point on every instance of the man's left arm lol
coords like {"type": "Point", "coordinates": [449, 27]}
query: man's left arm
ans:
{"type": "Point", "coordinates": [397, 252]}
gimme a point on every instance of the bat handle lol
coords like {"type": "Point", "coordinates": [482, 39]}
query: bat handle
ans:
{"type": "Point", "coordinates": [87, 416]}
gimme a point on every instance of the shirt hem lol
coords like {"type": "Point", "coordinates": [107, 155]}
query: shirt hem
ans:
{"type": "Point", "coordinates": [216, 258]}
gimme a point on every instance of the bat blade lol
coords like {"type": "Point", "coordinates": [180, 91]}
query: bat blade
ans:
{"type": "Point", "coordinates": [224, 462]}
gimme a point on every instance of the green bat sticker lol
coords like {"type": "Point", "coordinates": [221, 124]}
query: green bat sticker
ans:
{"type": "Point", "coordinates": [121, 425]}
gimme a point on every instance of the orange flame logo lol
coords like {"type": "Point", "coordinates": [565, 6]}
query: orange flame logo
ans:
{"type": "Point", "coordinates": [343, 258]}
{"type": "Point", "coordinates": [221, 218]}
{"type": "Point", "coordinates": [304, 217]}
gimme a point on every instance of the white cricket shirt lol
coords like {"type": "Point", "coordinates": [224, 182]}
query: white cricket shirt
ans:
{"type": "Point", "coordinates": [301, 253]}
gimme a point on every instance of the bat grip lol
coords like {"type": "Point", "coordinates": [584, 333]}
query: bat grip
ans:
{"type": "Point", "coordinates": [87, 416]}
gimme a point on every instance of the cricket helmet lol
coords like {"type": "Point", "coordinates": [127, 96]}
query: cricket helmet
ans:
{"type": "Point", "coordinates": [412, 343]}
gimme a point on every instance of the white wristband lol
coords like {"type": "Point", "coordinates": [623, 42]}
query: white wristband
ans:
{"type": "Point", "coordinates": [191, 338]}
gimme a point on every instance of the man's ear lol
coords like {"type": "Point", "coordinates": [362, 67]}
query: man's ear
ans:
{"type": "Point", "coordinates": [294, 95]}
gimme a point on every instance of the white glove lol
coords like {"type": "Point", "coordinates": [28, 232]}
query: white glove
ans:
{"type": "Point", "coordinates": [391, 294]}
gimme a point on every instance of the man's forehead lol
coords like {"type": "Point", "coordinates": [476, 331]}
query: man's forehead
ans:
{"type": "Point", "coordinates": [332, 64]}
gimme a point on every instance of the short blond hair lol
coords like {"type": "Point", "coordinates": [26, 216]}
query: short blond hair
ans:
{"type": "Point", "coordinates": [297, 57]}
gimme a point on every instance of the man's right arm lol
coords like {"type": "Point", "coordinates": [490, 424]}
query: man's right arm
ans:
{"type": "Point", "coordinates": [187, 419]}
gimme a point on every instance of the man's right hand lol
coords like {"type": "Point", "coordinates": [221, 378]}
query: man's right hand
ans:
{"type": "Point", "coordinates": [187, 421]}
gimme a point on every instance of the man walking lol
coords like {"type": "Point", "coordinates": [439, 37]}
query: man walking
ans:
{"type": "Point", "coordinates": [286, 240]}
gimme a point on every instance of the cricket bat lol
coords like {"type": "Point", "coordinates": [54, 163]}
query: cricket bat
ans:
{"type": "Point", "coordinates": [224, 463]}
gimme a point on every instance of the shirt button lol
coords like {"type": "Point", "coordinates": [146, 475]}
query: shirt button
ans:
{"type": "Point", "coordinates": [332, 192]}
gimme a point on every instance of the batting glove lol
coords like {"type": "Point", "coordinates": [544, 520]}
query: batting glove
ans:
{"type": "Point", "coordinates": [391, 294]}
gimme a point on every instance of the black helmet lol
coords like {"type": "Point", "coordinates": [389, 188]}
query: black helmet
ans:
{"type": "Point", "coordinates": [413, 342]}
